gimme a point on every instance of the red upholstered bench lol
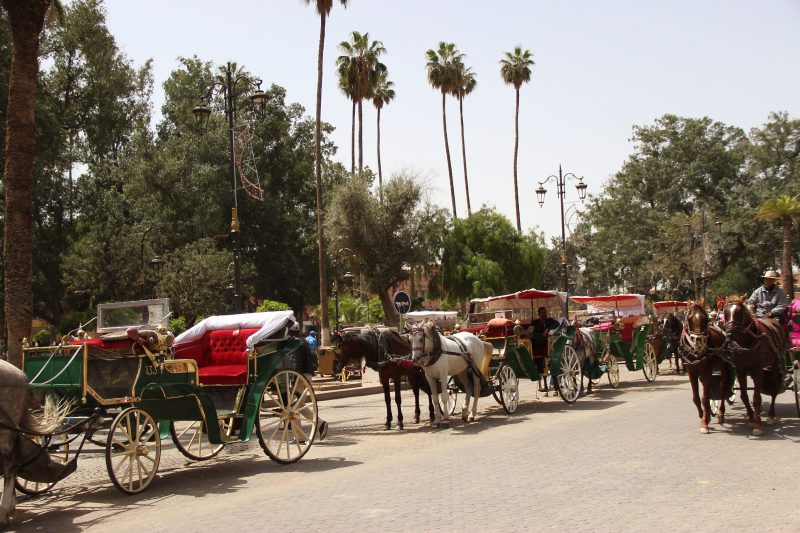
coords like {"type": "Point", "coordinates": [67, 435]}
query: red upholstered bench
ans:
{"type": "Point", "coordinates": [221, 356]}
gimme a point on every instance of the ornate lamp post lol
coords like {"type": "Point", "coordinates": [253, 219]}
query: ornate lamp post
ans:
{"type": "Point", "coordinates": [703, 237]}
{"type": "Point", "coordinates": [560, 181]}
{"type": "Point", "coordinates": [227, 85]}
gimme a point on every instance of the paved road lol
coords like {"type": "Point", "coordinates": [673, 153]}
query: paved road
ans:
{"type": "Point", "coordinates": [626, 460]}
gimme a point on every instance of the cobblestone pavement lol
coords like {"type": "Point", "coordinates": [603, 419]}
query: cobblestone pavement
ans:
{"type": "Point", "coordinates": [631, 459]}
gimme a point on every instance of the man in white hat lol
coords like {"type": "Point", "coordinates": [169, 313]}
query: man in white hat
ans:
{"type": "Point", "coordinates": [769, 300]}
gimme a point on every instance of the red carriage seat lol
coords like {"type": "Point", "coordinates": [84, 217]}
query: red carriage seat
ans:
{"type": "Point", "coordinates": [221, 356]}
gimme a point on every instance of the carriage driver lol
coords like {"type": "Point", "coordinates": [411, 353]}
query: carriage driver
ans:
{"type": "Point", "coordinates": [769, 300]}
{"type": "Point", "coordinates": [540, 328]}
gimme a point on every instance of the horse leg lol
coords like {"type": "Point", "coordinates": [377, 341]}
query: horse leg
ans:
{"type": "Point", "coordinates": [445, 399]}
{"type": "Point", "coordinates": [723, 387]}
{"type": "Point", "coordinates": [758, 380]}
{"type": "Point", "coordinates": [415, 389]}
{"type": "Point", "coordinates": [693, 381]}
{"type": "Point", "coordinates": [437, 417]}
{"type": "Point", "coordinates": [398, 383]}
{"type": "Point", "coordinates": [388, 399]}
{"type": "Point", "coordinates": [476, 393]}
{"type": "Point", "coordinates": [468, 380]}
{"type": "Point", "coordinates": [706, 416]}
{"type": "Point", "coordinates": [741, 377]}
{"type": "Point", "coordinates": [9, 459]}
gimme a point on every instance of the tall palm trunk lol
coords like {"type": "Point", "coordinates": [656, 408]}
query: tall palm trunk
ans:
{"type": "Point", "coordinates": [464, 154]}
{"type": "Point", "coordinates": [516, 150]}
{"type": "Point", "coordinates": [360, 139]}
{"type": "Point", "coordinates": [353, 141]}
{"type": "Point", "coordinates": [26, 18]}
{"type": "Point", "coordinates": [786, 260]}
{"type": "Point", "coordinates": [380, 172]}
{"type": "Point", "coordinates": [323, 278]}
{"type": "Point", "coordinates": [447, 150]}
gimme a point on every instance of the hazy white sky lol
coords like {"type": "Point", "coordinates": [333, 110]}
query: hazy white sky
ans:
{"type": "Point", "coordinates": [601, 67]}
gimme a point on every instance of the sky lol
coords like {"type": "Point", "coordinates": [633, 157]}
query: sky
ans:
{"type": "Point", "coordinates": [600, 69]}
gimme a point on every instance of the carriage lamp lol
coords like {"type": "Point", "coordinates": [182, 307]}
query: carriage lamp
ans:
{"type": "Point", "coordinates": [226, 84]}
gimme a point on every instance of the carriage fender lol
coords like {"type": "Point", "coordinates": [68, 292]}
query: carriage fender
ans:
{"type": "Point", "coordinates": [556, 354]}
{"type": "Point", "coordinates": [37, 466]}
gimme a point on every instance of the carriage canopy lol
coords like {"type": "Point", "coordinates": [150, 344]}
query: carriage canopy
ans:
{"type": "Point", "coordinates": [444, 319]}
{"type": "Point", "coordinates": [268, 323]}
{"type": "Point", "coordinates": [619, 304]}
{"type": "Point", "coordinates": [671, 306]}
{"type": "Point", "coordinates": [520, 305]}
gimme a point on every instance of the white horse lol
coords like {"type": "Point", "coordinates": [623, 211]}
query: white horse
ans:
{"type": "Point", "coordinates": [440, 357]}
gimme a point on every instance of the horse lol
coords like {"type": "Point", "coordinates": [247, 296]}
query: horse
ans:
{"type": "Point", "coordinates": [19, 455]}
{"type": "Point", "coordinates": [755, 344]}
{"type": "Point", "coordinates": [461, 355]}
{"type": "Point", "coordinates": [699, 343]}
{"type": "Point", "coordinates": [670, 328]}
{"type": "Point", "coordinates": [584, 343]}
{"type": "Point", "coordinates": [381, 351]}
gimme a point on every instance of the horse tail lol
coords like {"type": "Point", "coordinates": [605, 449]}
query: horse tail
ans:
{"type": "Point", "coordinates": [51, 418]}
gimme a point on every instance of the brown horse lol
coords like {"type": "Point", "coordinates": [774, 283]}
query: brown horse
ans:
{"type": "Point", "coordinates": [388, 353]}
{"type": "Point", "coordinates": [670, 327]}
{"type": "Point", "coordinates": [700, 342]}
{"type": "Point", "coordinates": [755, 344]}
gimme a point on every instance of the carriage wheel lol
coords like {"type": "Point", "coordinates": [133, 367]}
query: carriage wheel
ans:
{"type": "Point", "coordinates": [649, 363]}
{"type": "Point", "coordinates": [612, 369]}
{"type": "Point", "coordinates": [287, 417]}
{"type": "Point", "coordinates": [452, 392]}
{"type": "Point", "coordinates": [568, 382]}
{"type": "Point", "coordinates": [508, 388]}
{"type": "Point", "coordinates": [191, 438]}
{"type": "Point", "coordinates": [133, 450]}
{"type": "Point", "coordinates": [796, 386]}
{"type": "Point", "coordinates": [59, 453]}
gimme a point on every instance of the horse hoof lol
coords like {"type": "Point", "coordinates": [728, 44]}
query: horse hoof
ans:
{"type": "Point", "coordinates": [416, 420]}
{"type": "Point", "coordinates": [770, 421]}
{"type": "Point", "coordinates": [472, 419]}
{"type": "Point", "coordinates": [400, 427]}
{"type": "Point", "coordinates": [464, 419]}
{"type": "Point", "coordinates": [757, 432]}
{"type": "Point", "coordinates": [703, 430]}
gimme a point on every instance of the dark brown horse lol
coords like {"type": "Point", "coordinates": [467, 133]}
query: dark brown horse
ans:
{"type": "Point", "coordinates": [755, 344]}
{"type": "Point", "coordinates": [388, 353]}
{"type": "Point", "coordinates": [700, 344]}
{"type": "Point", "coordinates": [670, 328]}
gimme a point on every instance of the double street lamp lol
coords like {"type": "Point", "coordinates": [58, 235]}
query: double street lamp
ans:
{"type": "Point", "coordinates": [560, 181]}
{"type": "Point", "coordinates": [227, 85]}
{"type": "Point", "coordinates": [703, 237]}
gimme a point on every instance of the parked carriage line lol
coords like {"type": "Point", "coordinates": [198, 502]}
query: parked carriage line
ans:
{"type": "Point", "coordinates": [132, 384]}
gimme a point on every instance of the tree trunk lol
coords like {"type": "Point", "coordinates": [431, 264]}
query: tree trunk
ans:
{"type": "Point", "coordinates": [516, 150]}
{"type": "Point", "coordinates": [360, 139]}
{"type": "Point", "coordinates": [464, 154]}
{"type": "Point", "coordinates": [353, 142]}
{"type": "Point", "coordinates": [388, 309]}
{"type": "Point", "coordinates": [447, 150]}
{"type": "Point", "coordinates": [786, 266]}
{"type": "Point", "coordinates": [380, 172]}
{"type": "Point", "coordinates": [26, 18]}
{"type": "Point", "coordinates": [323, 278]}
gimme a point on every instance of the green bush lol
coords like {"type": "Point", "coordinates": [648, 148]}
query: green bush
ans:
{"type": "Point", "coordinates": [272, 305]}
{"type": "Point", "coordinates": [177, 325]}
{"type": "Point", "coordinates": [42, 338]}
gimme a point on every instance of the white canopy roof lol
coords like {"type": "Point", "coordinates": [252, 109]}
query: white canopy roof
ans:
{"type": "Point", "coordinates": [620, 304]}
{"type": "Point", "coordinates": [445, 319]}
{"type": "Point", "coordinates": [268, 322]}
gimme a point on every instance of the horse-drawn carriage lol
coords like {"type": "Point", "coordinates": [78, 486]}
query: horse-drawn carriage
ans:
{"type": "Point", "coordinates": [626, 337]}
{"type": "Point", "coordinates": [505, 322]}
{"type": "Point", "coordinates": [132, 384]}
{"type": "Point", "coordinates": [669, 315]}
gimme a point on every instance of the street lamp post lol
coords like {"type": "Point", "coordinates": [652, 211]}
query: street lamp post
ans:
{"type": "Point", "coordinates": [202, 112]}
{"type": "Point", "coordinates": [703, 237]}
{"type": "Point", "coordinates": [560, 181]}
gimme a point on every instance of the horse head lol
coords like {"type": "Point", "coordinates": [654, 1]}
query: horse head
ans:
{"type": "Point", "coordinates": [422, 338]}
{"type": "Point", "coordinates": [738, 315]}
{"type": "Point", "coordinates": [670, 326]}
{"type": "Point", "coordinates": [694, 340]}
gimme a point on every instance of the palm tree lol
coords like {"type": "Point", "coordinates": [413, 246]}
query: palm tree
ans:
{"type": "Point", "coordinates": [323, 10]}
{"type": "Point", "coordinates": [784, 208]}
{"type": "Point", "coordinates": [515, 70]}
{"type": "Point", "coordinates": [26, 20]}
{"type": "Point", "coordinates": [360, 65]}
{"type": "Point", "coordinates": [347, 86]}
{"type": "Point", "coordinates": [466, 84]}
{"type": "Point", "coordinates": [443, 66]}
{"type": "Point", "coordinates": [382, 94]}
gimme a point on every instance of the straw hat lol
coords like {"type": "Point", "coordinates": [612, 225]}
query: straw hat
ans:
{"type": "Point", "coordinates": [771, 274]}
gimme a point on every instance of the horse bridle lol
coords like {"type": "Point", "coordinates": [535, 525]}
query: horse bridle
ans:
{"type": "Point", "coordinates": [695, 344]}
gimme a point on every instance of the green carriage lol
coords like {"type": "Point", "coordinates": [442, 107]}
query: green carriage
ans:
{"type": "Point", "coordinates": [502, 321]}
{"type": "Point", "coordinates": [133, 384]}
{"type": "Point", "coordinates": [627, 337]}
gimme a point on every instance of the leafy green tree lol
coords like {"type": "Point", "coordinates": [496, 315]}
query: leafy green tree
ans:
{"type": "Point", "coordinates": [382, 95]}
{"type": "Point", "coordinates": [323, 8]}
{"type": "Point", "coordinates": [385, 238]}
{"type": "Point", "coordinates": [443, 65]}
{"type": "Point", "coordinates": [515, 70]}
{"type": "Point", "coordinates": [272, 305]}
{"type": "Point", "coordinates": [484, 256]}
{"type": "Point", "coordinates": [467, 82]}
